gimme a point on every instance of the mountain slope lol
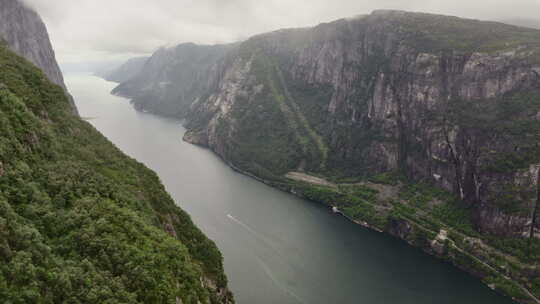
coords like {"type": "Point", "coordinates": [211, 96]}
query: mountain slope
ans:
{"type": "Point", "coordinates": [424, 126]}
{"type": "Point", "coordinates": [449, 104]}
{"type": "Point", "coordinates": [381, 93]}
{"type": "Point", "coordinates": [26, 34]}
{"type": "Point", "coordinates": [80, 221]}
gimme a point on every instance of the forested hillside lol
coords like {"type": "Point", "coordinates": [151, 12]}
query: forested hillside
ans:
{"type": "Point", "coordinates": [80, 222]}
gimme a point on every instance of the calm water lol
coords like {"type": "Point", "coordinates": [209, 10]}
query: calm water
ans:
{"type": "Point", "coordinates": [277, 248]}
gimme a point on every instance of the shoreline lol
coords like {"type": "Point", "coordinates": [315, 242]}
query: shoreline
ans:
{"type": "Point", "coordinates": [290, 190]}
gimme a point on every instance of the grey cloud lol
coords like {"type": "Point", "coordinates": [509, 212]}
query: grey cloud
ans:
{"type": "Point", "coordinates": [90, 30]}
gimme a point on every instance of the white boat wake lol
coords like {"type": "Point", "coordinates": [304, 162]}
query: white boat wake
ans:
{"type": "Point", "coordinates": [263, 265]}
{"type": "Point", "coordinates": [245, 226]}
{"type": "Point", "coordinates": [278, 284]}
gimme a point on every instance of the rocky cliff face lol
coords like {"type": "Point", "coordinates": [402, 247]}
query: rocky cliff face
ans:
{"type": "Point", "coordinates": [435, 97]}
{"type": "Point", "coordinates": [26, 34]}
{"type": "Point", "coordinates": [444, 101]}
{"type": "Point", "coordinates": [438, 98]}
{"type": "Point", "coordinates": [173, 77]}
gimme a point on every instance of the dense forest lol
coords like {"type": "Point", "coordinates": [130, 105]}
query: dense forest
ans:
{"type": "Point", "coordinates": [80, 222]}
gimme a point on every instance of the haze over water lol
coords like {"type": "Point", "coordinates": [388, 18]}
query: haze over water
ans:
{"type": "Point", "coordinates": [277, 248]}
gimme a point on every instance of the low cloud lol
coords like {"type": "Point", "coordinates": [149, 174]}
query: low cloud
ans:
{"type": "Point", "coordinates": [92, 30]}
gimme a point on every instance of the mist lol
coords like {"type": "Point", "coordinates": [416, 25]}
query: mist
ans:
{"type": "Point", "coordinates": [97, 31]}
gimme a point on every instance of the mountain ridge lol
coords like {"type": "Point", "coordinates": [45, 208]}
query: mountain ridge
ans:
{"type": "Point", "coordinates": [442, 109]}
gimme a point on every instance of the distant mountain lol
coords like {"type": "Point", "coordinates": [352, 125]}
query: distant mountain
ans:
{"type": "Point", "coordinates": [424, 126]}
{"type": "Point", "coordinates": [173, 77]}
{"type": "Point", "coordinates": [125, 71]}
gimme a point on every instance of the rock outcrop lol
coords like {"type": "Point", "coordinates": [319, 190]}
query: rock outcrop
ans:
{"type": "Point", "coordinates": [25, 33]}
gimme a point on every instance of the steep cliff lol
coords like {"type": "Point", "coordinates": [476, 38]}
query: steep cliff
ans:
{"type": "Point", "coordinates": [425, 126]}
{"type": "Point", "coordinates": [80, 222]}
{"type": "Point", "coordinates": [26, 34]}
{"type": "Point", "coordinates": [173, 77]}
{"type": "Point", "coordinates": [125, 71]}
{"type": "Point", "coordinates": [437, 98]}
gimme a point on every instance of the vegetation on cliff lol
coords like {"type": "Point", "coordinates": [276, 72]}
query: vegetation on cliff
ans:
{"type": "Point", "coordinates": [450, 104]}
{"type": "Point", "coordinates": [436, 221]}
{"type": "Point", "coordinates": [80, 222]}
{"type": "Point", "coordinates": [435, 33]}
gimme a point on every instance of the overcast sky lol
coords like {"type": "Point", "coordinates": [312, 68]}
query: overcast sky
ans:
{"type": "Point", "coordinates": [106, 30]}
